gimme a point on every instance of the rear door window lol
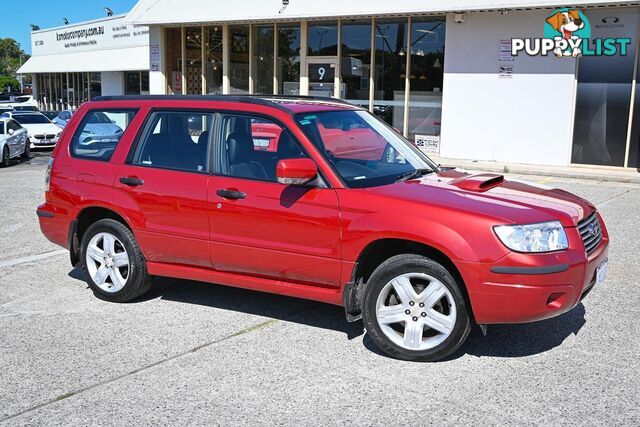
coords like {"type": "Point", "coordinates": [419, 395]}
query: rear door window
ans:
{"type": "Point", "coordinates": [177, 140]}
{"type": "Point", "coordinates": [99, 133]}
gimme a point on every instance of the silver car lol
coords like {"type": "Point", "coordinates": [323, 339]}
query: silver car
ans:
{"type": "Point", "coordinates": [14, 141]}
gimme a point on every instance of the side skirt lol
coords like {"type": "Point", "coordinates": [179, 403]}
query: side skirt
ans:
{"type": "Point", "coordinates": [315, 293]}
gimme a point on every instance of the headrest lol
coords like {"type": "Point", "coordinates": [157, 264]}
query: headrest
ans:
{"type": "Point", "coordinates": [240, 147]}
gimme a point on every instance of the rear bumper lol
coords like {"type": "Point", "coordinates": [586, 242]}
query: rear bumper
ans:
{"type": "Point", "coordinates": [524, 288]}
{"type": "Point", "coordinates": [54, 223]}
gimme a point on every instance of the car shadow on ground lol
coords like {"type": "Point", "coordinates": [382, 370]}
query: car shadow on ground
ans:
{"type": "Point", "coordinates": [501, 340]}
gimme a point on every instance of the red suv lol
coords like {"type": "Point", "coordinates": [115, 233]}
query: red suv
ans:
{"type": "Point", "coordinates": [340, 209]}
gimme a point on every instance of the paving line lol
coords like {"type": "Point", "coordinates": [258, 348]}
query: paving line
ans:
{"type": "Point", "coordinates": [32, 258]}
{"type": "Point", "coordinates": [249, 329]}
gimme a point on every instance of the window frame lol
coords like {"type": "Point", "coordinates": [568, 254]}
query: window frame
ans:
{"type": "Point", "coordinates": [322, 181]}
{"type": "Point", "coordinates": [78, 131]}
{"type": "Point", "coordinates": [136, 146]}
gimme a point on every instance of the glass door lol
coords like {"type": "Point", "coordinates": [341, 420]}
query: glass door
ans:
{"type": "Point", "coordinates": [322, 75]}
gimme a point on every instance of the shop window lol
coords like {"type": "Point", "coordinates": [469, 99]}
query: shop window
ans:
{"type": "Point", "coordinates": [288, 64]}
{"type": "Point", "coordinates": [173, 58]}
{"type": "Point", "coordinates": [604, 94]}
{"type": "Point", "coordinates": [323, 38]}
{"type": "Point", "coordinates": [427, 64]}
{"type": "Point", "coordinates": [391, 44]}
{"type": "Point", "coordinates": [263, 58]}
{"type": "Point", "coordinates": [95, 85]}
{"type": "Point", "coordinates": [356, 61]}
{"type": "Point", "coordinates": [213, 62]}
{"type": "Point", "coordinates": [239, 65]}
{"type": "Point", "coordinates": [193, 60]}
{"type": "Point", "coordinates": [132, 83]}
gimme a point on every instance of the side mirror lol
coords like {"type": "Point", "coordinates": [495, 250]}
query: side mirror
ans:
{"type": "Point", "coordinates": [296, 171]}
{"type": "Point", "coordinates": [11, 131]}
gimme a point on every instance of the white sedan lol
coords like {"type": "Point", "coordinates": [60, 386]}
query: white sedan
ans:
{"type": "Point", "coordinates": [43, 133]}
{"type": "Point", "coordinates": [13, 141]}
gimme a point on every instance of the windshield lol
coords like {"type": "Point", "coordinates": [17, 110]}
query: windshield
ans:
{"type": "Point", "coordinates": [99, 118]}
{"type": "Point", "coordinates": [25, 108]}
{"type": "Point", "coordinates": [363, 150]}
{"type": "Point", "coordinates": [30, 119]}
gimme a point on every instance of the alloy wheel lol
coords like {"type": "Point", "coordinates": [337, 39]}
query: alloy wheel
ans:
{"type": "Point", "coordinates": [107, 262]}
{"type": "Point", "coordinates": [416, 311]}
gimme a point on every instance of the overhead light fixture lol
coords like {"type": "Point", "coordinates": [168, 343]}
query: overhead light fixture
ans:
{"type": "Point", "coordinates": [108, 11]}
{"type": "Point", "coordinates": [66, 21]}
{"type": "Point", "coordinates": [426, 31]}
{"type": "Point", "coordinates": [420, 52]}
{"type": "Point", "coordinates": [34, 27]}
{"type": "Point", "coordinates": [437, 63]}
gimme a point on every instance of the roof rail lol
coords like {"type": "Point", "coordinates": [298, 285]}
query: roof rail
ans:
{"type": "Point", "coordinates": [261, 99]}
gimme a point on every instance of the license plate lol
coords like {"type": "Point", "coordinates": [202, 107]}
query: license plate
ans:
{"type": "Point", "coordinates": [44, 141]}
{"type": "Point", "coordinates": [601, 271]}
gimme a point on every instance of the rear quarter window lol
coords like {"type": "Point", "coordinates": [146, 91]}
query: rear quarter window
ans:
{"type": "Point", "coordinates": [99, 133]}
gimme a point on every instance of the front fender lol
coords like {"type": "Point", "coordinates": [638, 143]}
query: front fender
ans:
{"type": "Point", "coordinates": [362, 231]}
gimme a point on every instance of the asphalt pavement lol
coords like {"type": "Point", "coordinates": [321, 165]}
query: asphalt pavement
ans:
{"type": "Point", "coordinates": [196, 353]}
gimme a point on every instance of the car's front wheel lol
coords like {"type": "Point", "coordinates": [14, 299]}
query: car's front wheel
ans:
{"type": "Point", "coordinates": [27, 151]}
{"type": "Point", "coordinates": [113, 263]}
{"type": "Point", "coordinates": [414, 309]}
{"type": "Point", "coordinates": [4, 162]}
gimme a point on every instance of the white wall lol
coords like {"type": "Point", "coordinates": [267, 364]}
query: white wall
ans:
{"type": "Point", "coordinates": [112, 83]}
{"type": "Point", "coordinates": [527, 118]}
{"type": "Point", "coordinates": [157, 81]}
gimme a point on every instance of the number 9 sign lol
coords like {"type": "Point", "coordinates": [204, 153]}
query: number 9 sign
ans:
{"type": "Point", "coordinates": [321, 72]}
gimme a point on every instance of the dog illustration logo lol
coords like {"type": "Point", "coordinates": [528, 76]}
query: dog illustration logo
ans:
{"type": "Point", "coordinates": [570, 25]}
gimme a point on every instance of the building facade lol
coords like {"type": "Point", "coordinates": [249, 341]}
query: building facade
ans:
{"type": "Point", "coordinates": [74, 63]}
{"type": "Point", "coordinates": [442, 72]}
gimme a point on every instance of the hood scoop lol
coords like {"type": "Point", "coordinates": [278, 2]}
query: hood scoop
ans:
{"type": "Point", "coordinates": [479, 183]}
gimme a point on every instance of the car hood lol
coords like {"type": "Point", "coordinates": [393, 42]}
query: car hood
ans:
{"type": "Point", "coordinates": [103, 128]}
{"type": "Point", "coordinates": [41, 128]}
{"type": "Point", "coordinates": [510, 200]}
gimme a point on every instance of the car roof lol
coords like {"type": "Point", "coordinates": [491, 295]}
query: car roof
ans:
{"type": "Point", "coordinates": [291, 104]}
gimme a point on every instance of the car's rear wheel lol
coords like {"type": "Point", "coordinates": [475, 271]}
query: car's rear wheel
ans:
{"type": "Point", "coordinates": [414, 309]}
{"type": "Point", "coordinates": [113, 263]}
{"type": "Point", "coordinates": [5, 157]}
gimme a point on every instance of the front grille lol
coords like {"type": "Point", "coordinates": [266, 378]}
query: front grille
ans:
{"type": "Point", "coordinates": [43, 136]}
{"type": "Point", "coordinates": [591, 232]}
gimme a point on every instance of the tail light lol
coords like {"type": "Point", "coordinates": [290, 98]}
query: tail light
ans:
{"type": "Point", "coordinates": [47, 175]}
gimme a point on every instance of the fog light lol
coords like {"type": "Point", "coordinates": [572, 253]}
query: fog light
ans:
{"type": "Point", "coordinates": [556, 300]}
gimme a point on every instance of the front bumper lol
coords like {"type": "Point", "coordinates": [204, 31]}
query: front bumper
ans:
{"type": "Point", "coordinates": [524, 288]}
{"type": "Point", "coordinates": [42, 143]}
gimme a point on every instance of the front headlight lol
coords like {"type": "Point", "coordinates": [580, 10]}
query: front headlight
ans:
{"type": "Point", "coordinates": [542, 237]}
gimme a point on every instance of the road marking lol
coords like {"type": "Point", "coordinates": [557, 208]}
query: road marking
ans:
{"type": "Point", "coordinates": [545, 180]}
{"type": "Point", "coordinates": [249, 329]}
{"type": "Point", "coordinates": [32, 258]}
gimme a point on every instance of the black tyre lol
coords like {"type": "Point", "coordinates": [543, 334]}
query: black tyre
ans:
{"type": "Point", "coordinates": [5, 157]}
{"type": "Point", "coordinates": [113, 263]}
{"type": "Point", "coordinates": [413, 309]}
{"type": "Point", "coordinates": [26, 155]}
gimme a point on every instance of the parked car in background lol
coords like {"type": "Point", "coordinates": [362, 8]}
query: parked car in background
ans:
{"type": "Point", "coordinates": [42, 132]}
{"type": "Point", "coordinates": [19, 101]}
{"type": "Point", "coordinates": [344, 211]}
{"type": "Point", "coordinates": [6, 110]}
{"type": "Point", "coordinates": [51, 114]}
{"type": "Point", "coordinates": [62, 118]}
{"type": "Point", "coordinates": [14, 141]}
{"type": "Point", "coordinates": [25, 108]}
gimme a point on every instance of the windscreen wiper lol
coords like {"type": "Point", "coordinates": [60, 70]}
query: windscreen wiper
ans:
{"type": "Point", "coordinates": [414, 174]}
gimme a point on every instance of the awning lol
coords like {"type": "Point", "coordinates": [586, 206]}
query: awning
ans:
{"type": "Point", "coordinates": [125, 59]}
{"type": "Point", "coordinates": [171, 12]}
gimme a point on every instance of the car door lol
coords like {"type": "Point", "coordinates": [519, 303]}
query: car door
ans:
{"type": "Point", "coordinates": [261, 227]}
{"type": "Point", "coordinates": [165, 182]}
{"type": "Point", "coordinates": [20, 135]}
{"type": "Point", "coordinates": [15, 138]}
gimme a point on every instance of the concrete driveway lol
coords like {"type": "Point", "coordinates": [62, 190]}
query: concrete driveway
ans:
{"type": "Point", "coordinates": [195, 353]}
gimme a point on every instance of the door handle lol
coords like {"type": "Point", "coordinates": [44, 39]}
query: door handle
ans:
{"type": "Point", "coordinates": [231, 194]}
{"type": "Point", "coordinates": [131, 181]}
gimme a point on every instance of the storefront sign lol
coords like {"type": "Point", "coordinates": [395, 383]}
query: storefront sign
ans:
{"type": "Point", "coordinates": [107, 33]}
{"type": "Point", "coordinates": [506, 71]}
{"type": "Point", "coordinates": [428, 143]}
{"type": "Point", "coordinates": [505, 51]}
{"type": "Point", "coordinates": [567, 33]}
{"type": "Point", "coordinates": [154, 59]}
